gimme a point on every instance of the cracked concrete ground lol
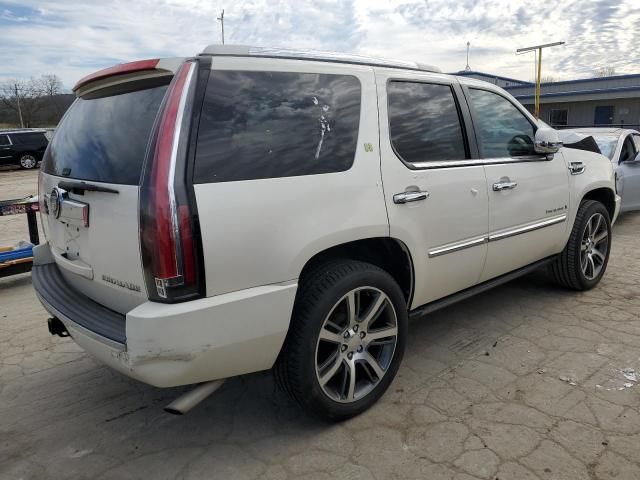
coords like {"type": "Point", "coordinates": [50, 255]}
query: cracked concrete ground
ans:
{"type": "Point", "coordinates": [525, 382]}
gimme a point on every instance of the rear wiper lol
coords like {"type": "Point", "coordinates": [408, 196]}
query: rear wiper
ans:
{"type": "Point", "coordinates": [81, 187]}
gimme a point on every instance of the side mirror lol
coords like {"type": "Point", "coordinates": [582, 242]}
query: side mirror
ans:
{"type": "Point", "coordinates": [547, 141]}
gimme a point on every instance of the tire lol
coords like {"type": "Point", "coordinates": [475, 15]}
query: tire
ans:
{"type": "Point", "coordinates": [28, 161]}
{"type": "Point", "coordinates": [583, 262]}
{"type": "Point", "coordinates": [317, 372]}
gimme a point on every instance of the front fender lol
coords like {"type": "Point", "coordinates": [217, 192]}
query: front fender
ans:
{"type": "Point", "coordinates": [599, 173]}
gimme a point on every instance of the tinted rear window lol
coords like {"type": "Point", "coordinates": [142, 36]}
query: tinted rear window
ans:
{"type": "Point", "coordinates": [276, 124]}
{"type": "Point", "coordinates": [30, 138]}
{"type": "Point", "coordinates": [104, 139]}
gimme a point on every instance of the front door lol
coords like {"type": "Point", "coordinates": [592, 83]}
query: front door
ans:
{"type": "Point", "coordinates": [6, 150]}
{"type": "Point", "coordinates": [528, 192]}
{"type": "Point", "coordinates": [437, 203]}
{"type": "Point", "coordinates": [629, 172]}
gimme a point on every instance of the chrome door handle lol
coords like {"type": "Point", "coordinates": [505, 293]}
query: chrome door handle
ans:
{"type": "Point", "coordinates": [576, 168]}
{"type": "Point", "coordinates": [498, 187]}
{"type": "Point", "coordinates": [406, 197]}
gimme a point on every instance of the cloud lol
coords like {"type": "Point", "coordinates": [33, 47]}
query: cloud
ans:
{"type": "Point", "coordinates": [73, 38]}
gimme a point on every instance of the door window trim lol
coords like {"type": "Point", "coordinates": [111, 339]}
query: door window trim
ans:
{"type": "Point", "coordinates": [470, 152]}
{"type": "Point", "coordinates": [501, 160]}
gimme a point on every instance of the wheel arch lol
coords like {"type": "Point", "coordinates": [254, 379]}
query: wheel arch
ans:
{"type": "Point", "coordinates": [390, 254]}
{"type": "Point", "coordinates": [604, 195]}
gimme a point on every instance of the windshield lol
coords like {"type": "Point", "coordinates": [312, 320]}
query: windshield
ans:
{"type": "Point", "coordinates": [607, 144]}
{"type": "Point", "coordinates": [104, 139]}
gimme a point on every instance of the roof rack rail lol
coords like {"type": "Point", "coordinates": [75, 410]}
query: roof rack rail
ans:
{"type": "Point", "coordinates": [303, 54]}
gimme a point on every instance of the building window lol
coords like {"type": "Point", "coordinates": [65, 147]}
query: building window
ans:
{"type": "Point", "coordinates": [559, 117]}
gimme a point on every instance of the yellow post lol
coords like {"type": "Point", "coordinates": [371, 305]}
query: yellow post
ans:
{"type": "Point", "coordinates": [538, 81]}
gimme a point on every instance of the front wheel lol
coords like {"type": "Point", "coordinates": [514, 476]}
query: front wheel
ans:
{"type": "Point", "coordinates": [28, 161]}
{"type": "Point", "coordinates": [584, 260]}
{"type": "Point", "coordinates": [346, 339]}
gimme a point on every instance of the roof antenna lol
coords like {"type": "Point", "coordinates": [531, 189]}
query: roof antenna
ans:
{"type": "Point", "coordinates": [468, 68]}
{"type": "Point", "coordinates": [221, 19]}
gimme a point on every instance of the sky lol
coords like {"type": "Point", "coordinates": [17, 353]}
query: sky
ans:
{"type": "Point", "coordinates": [72, 38]}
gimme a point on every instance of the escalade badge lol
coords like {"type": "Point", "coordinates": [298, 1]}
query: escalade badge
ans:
{"type": "Point", "coordinates": [54, 202]}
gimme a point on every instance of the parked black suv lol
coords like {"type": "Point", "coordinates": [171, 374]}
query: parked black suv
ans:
{"type": "Point", "coordinates": [22, 147]}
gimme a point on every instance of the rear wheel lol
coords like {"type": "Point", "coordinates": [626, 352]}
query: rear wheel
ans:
{"type": "Point", "coordinates": [584, 260]}
{"type": "Point", "coordinates": [346, 339]}
{"type": "Point", "coordinates": [28, 161]}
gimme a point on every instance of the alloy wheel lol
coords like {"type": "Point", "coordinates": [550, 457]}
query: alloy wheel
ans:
{"type": "Point", "coordinates": [28, 161]}
{"type": "Point", "coordinates": [594, 246]}
{"type": "Point", "coordinates": [356, 344]}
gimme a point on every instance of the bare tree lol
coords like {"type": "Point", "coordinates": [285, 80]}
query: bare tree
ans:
{"type": "Point", "coordinates": [548, 79]}
{"type": "Point", "coordinates": [607, 71]}
{"type": "Point", "coordinates": [27, 97]}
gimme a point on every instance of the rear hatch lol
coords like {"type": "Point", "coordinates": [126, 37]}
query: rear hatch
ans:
{"type": "Point", "coordinates": [90, 181]}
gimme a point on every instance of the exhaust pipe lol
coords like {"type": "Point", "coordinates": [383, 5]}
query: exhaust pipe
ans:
{"type": "Point", "coordinates": [187, 401]}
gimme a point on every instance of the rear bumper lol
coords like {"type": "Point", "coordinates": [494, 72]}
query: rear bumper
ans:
{"type": "Point", "coordinates": [178, 344]}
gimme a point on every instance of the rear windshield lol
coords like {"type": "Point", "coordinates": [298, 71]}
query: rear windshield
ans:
{"type": "Point", "coordinates": [104, 139]}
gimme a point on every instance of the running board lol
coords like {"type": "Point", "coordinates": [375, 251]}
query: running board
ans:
{"type": "Point", "coordinates": [482, 287]}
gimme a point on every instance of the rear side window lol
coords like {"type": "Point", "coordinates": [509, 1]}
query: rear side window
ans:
{"type": "Point", "coordinates": [31, 139]}
{"type": "Point", "coordinates": [104, 139]}
{"type": "Point", "coordinates": [276, 124]}
{"type": "Point", "coordinates": [502, 129]}
{"type": "Point", "coordinates": [424, 122]}
{"type": "Point", "coordinates": [4, 140]}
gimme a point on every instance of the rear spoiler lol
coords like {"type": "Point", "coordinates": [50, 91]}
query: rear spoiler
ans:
{"type": "Point", "coordinates": [125, 72]}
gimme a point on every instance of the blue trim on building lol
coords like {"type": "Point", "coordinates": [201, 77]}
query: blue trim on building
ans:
{"type": "Point", "coordinates": [577, 92]}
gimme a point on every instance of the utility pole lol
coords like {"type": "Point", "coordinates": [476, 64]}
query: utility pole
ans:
{"type": "Point", "coordinates": [468, 68]}
{"type": "Point", "coordinates": [221, 19]}
{"type": "Point", "coordinates": [538, 48]}
{"type": "Point", "coordinates": [15, 86]}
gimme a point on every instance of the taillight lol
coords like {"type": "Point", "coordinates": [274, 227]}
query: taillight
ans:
{"type": "Point", "coordinates": [170, 249]}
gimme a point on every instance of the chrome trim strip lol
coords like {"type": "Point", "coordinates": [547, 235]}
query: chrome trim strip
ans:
{"type": "Point", "coordinates": [478, 161]}
{"type": "Point", "coordinates": [528, 228]}
{"type": "Point", "coordinates": [457, 247]}
{"type": "Point", "coordinates": [474, 242]}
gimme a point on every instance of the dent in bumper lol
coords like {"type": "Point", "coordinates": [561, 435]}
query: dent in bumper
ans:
{"type": "Point", "coordinates": [205, 339]}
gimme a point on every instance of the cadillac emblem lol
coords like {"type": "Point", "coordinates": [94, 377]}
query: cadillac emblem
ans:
{"type": "Point", "coordinates": [54, 202]}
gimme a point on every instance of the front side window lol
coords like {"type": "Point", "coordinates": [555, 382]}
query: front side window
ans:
{"type": "Point", "coordinates": [628, 150]}
{"type": "Point", "coordinates": [4, 140]}
{"type": "Point", "coordinates": [636, 140]}
{"type": "Point", "coordinates": [258, 125]}
{"type": "Point", "coordinates": [501, 128]}
{"type": "Point", "coordinates": [424, 123]}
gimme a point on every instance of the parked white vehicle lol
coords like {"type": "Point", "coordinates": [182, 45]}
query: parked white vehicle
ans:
{"type": "Point", "coordinates": [622, 146]}
{"type": "Point", "coordinates": [293, 210]}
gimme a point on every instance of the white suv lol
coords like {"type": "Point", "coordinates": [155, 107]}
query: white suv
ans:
{"type": "Point", "coordinates": [252, 208]}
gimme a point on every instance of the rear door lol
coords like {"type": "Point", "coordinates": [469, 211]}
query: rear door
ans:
{"type": "Point", "coordinates": [90, 179]}
{"type": "Point", "coordinates": [436, 194]}
{"type": "Point", "coordinates": [528, 192]}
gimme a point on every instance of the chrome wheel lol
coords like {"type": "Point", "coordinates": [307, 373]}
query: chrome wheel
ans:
{"type": "Point", "coordinates": [356, 344]}
{"type": "Point", "coordinates": [594, 246]}
{"type": "Point", "coordinates": [28, 161]}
